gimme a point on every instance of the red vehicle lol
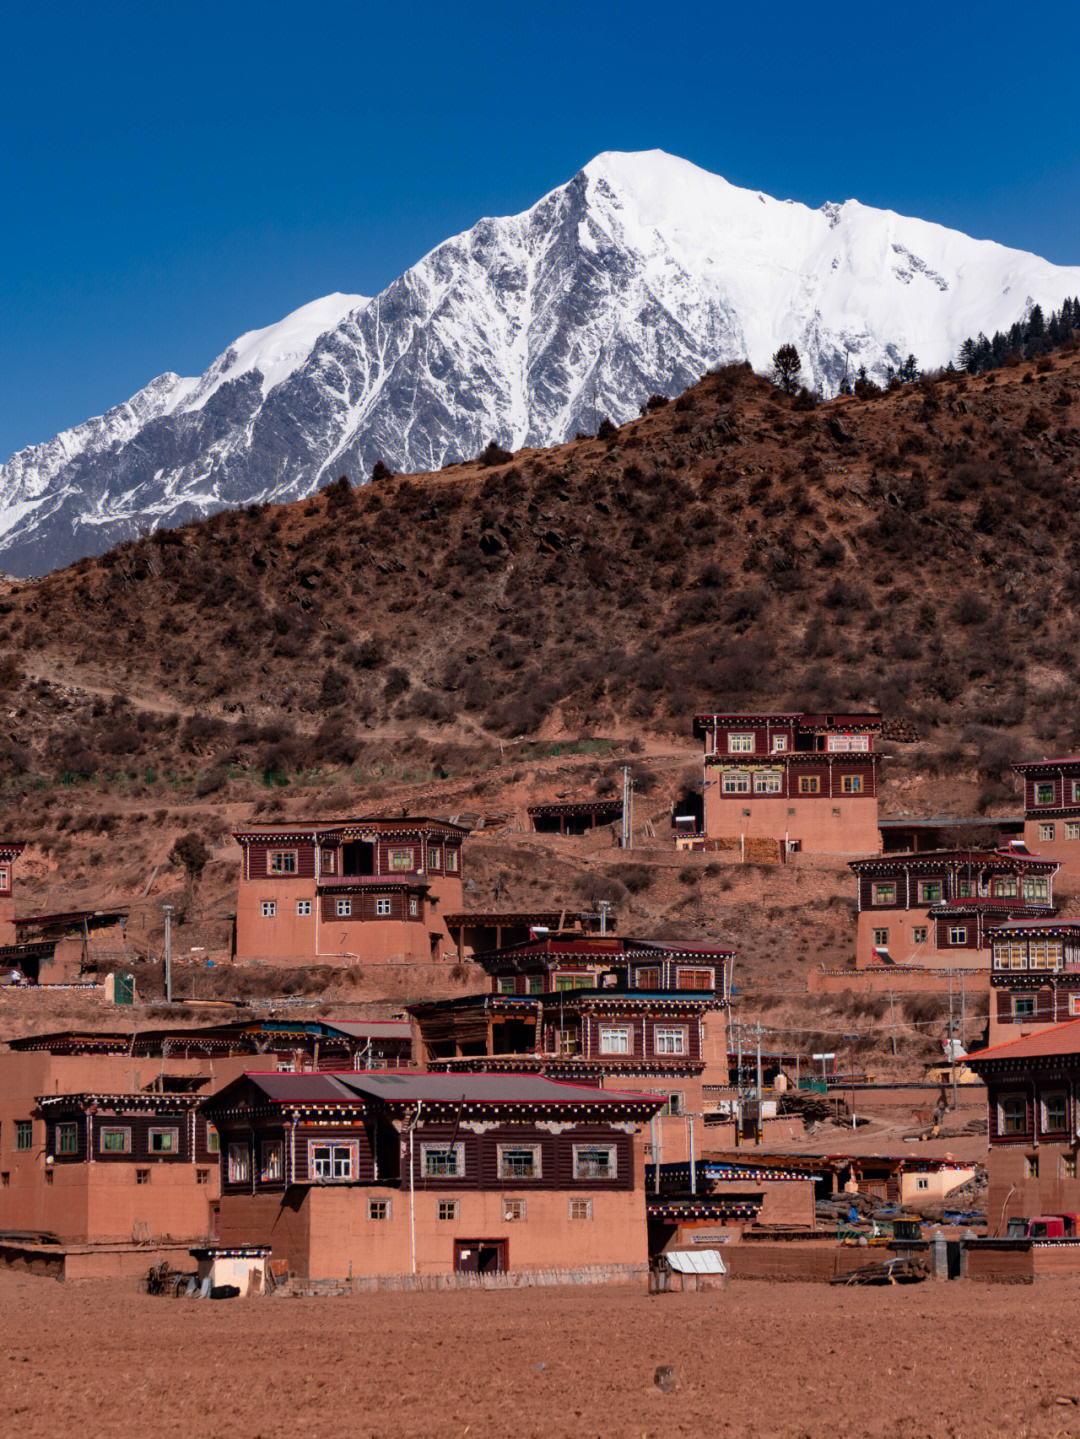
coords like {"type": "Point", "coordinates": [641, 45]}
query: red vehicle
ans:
{"type": "Point", "coordinates": [1045, 1226]}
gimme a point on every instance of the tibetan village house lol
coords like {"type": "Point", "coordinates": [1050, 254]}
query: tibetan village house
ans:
{"type": "Point", "coordinates": [1032, 1086]}
{"type": "Point", "coordinates": [806, 781]}
{"type": "Point", "coordinates": [1052, 812]}
{"type": "Point", "coordinates": [52, 947]}
{"type": "Point", "coordinates": [430, 1173]}
{"type": "Point", "coordinates": [574, 817]}
{"type": "Point", "coordinates": [100, 1136]}
{"type": "Point", "coordinates": [938, 909]}
{"type": "Point", "coordinates": [1034, 976]}
{"type": "Point", "coordinates": [621, 1013]}
{"type": "Point", "coordinates": [367, 890]}
{"type": "Point", "coordinates": [479, 931]}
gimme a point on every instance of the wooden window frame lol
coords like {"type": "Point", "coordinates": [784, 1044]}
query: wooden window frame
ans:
{"type": "Point", "coordinates": [608, 1032]}
{"type": "Point", "coordinates": [694, 980]}
{"type": "Point", "coordinates": [160, 1130]}
{"type": "Point", "coordinates": [124, 1130]}
{"type": "Point", "coordinates": [506, 984]}
{"type": "Point", "coordinates": [429, 1151]}
{"type": "Point", "coordinates": [343, 909]}
{"type": "Point", "coordinates": [414, 906]}
{"type": "Point", "coordinates": [1005, 886]}
{"type": "Point", "coordinates": [735, 781]}
{"type": "Point", "coordinates": [385, 1208]}
{"type": "Point", "coordinates": [1035, 888]}
{"type": "Point", "coordinates": [502, 1152]}
{"type": "Point", "coordinates": [340, 1151]}
{"type": "Point", "coordinates": [238, 1162]}
{"type": "Point", "coordinates": [213, 1140]}
{"type": "Point", "coordinates": [930, 884]}
{"type": "Point", "coordinates": [584, 1169]}
{"type": "Point", "coordinates": [647, 977]}
{"type": "Point", "coordinates": [303, 908]}
{"type": "Point", "coordinates": [282, 870]}
{"type": "Point", "coordinates": [741, 742]}
{"type": "Point", "coordinates": [1040, 787]}
{"type": "Point", "coordinates": [1003, 1129]}
{"type": "Point", "coordinates": [579, 1209]}
{"type": "Point", "coordinates": [809, 784]}
{"type": "Point", "coordinates": [1025, 999]}
{"type": "Point", "coordinates": [401, 861]}
{"type": "Point", "coordinates": [268, 909]}
{"type": "Point", "coordinates": [513, 1210]}
{"type": "Point", "coordinates": [24, 1131]}
{"type": "Point", "coordinates": [851, 784]}
{"type": "Point", "coordinates": [920, 933]}
{"type": "Point", "coordinates": [679, 1033]}
{"type": "Point", "coordinates": [765, 782]}
{"type": "Point", "coordinates": [1047, 831]}
{"type": "Point", "coordinates": [383, 907]}
{"type": "Point", "coordinates": [447, 1211]}
{"type": "Point", "coordinates": [878, 895]}
{"type": "Point", "coordinates": [434, 857]}
{"type": "Point", "coordinates": [1072, 829]}
{"type": "Point", "coordinates": [67, 1136]}
{"type": "Point", "coordinates": [881, 938]}
{"type": "Point", "coordinates": [271, 1159]}
{"type": "Point", "coordinates": [452, 859]}
{"type": "Point", "coordinates": [958, 934]}
{"type": "Point", "coordinates": [1044, 1125]}
{"type": "Point", "coordinates": [328, 861]}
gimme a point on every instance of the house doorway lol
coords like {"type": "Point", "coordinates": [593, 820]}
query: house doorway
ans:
{"type": "Point", "coordinates": [480, 1256]}
{"type": "Point", "coordinates": [357, 859]}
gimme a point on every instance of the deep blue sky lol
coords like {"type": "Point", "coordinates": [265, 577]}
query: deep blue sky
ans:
{"type": "Point", "coordinates": [172, 175]}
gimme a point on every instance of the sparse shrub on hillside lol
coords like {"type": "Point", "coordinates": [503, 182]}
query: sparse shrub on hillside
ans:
{"type": "Point", "coordinates": [191, 854]}
{"type": "Point", "coordinates": [654, 402]}
{"type": "Point", "coordinates": [340, 496]}
{"type": "Point", "coordinates": [606, 430]}
{"type": "Point", "coordinates": [494, 454]}
{"type": "Point", "coordinates": [380, 472]}
{"type": "Point", "coordinates": [396, 683]}
{"type": "Point", "coordinates": [786, 368]}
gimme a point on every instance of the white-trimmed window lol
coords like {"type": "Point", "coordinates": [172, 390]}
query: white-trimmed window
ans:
{"type": "Point", "coordinates": [452, 860]}
{"type": "Point", "coordinates": [1044, 793]}
{"type": "Point", "coordinates": [1045, 953]}
{"type": "Point", "coordinates": [269, 908]}
{"type": "Point", "coordinates": [1005, 886]}
{"type": "Point", "coordinates": [282, 861]}
{"type": "Point", "coordinates": [343, 908]}
{"type": "Point", "coordinates": [1046, 833]}
{"type": "Point", "coordinates": [400, 859]}
{"type": "Point", "coordinates": [1008, 955]}
{"type": "Point", "coordinates": [1072, 829]}
{"type": "Point", "coordinates": [271, 1161]}
{"type": "Point", "coordinates": [434, 856]}
{"type": "Point", "coordinates": [5, 876]}
{"type": "Point", "coordinates": [1074, 789]}
{"type": "Point", "coordinates": [740, 744]}
{"type": "Point", "coordinates": [1023, 1006]}
{"type": "Point", "coordinates": [885, 892]}
{"type": "Point", "coordinates": [24, 1134]}
{"type": "Point", "coordinates": [442, 1161]}
{"type": "Point", "coordinates": [616, 1041]}
{"type": "Point", "coordinates": [332, 1161]}
{"type": "Point", "coordinates": [513, 1209]}
{"type": "Point", "coordinates": [735, 781]}
{"type": "Point", "coordinates": [1068, 1166]}
{"type": "Point", "coordinates": [919, 933]}
{"type": "Point", "coordinates": [851, 784]}
{"type": "Point", "coordinates": [767, 782]}
{"type": "Point", "coordinates": [163, 1140]}
{"type": "Point", "coordinates": [1012, 1114]}
{"type": "Point", "coordinates": [379, 1209]}
{"type": "Point", "coordinates": [67, 1138]}
{"type": "Point", "coordinates": [595, 1161]}
{"type": "Point", "coordinates": [303, 907]}
{"type": "Point", "coordinates": [519, 1161]}
{"type": "Point", "coordinates": [958, 934]}
{"type": "Point", "coordinates": [881, 938]}
{"type": "Point", "coordinates": [922, 1182]}
{"type": "Point", "coordinates": [328, 861]}
{"type": "Point", "coordinates": [507, 984]}
{"type": "Point", "coordinates": [1053, 1112]}
{"type": "Point", "coordinates": [114, 1139]}
{"type": "Point", "coordinates": [382, 907]}
{"type": "Point", "coordinates": [779, 743]}
{"type": "Point", "coordinates": [1074, 1004]}
{"type": "Point", "coordinates": [1036, 888]}
{"type": "Point", "coordinates": [580, 1209]}
{"type": "Point", "coordinates": [446, 1209]}
{"type": "Point", "coordinates": [669, 1039]}
{"type": "Point", "coordinates": [414, 906]}
{"type": "Point", "coordinates": [239, 1163]}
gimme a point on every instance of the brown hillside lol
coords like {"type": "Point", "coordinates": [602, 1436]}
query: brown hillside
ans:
{"type": "Point", "coordinates": [916, 550]}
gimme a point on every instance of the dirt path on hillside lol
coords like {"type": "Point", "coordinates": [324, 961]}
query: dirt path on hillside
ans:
{"type": "Point", "coordinates": [790, 1361]}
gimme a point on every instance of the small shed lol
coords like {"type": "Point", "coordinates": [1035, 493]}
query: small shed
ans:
{"type": "Point", "coordinates": [685, 1270]}
{"type": "Point", "coordinates": [244, 1266]}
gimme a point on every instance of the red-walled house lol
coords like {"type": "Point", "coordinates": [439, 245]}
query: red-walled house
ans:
{"type": "Point", "coordinates": [1052, 813]}
{"type": "Point", "coordinates": [1034, 976]}
{"type": "Point", "coordinates": [1034, 1122]}
{"type": "Point", "coordinates": [613, 1011]}
{"type": "Point", "coordinates": [367, 890]}
{"type": "Point", "coordinates": [938, 909]}
{"type": "Point", "coordinates": [807, 781]}
{"type": "Point", "coordinates": [412, 1173]}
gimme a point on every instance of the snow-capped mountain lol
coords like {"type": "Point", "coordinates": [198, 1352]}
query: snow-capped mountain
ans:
{"type": "Point", "coordinates": [633, 278]}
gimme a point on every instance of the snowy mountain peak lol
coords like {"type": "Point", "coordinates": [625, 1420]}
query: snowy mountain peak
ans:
{"type": "Point", "coordinates": [631, 279]}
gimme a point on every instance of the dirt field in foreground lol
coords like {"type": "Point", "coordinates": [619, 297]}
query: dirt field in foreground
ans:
{"type": "Point", "coordinates": [756, 1360]}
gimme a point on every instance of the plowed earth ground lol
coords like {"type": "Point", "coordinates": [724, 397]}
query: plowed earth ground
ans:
{"type": "Point", "coordinates": [761, 1360]}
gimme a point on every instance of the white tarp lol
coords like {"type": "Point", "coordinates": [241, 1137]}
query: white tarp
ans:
{"type": "Point", "coordinates": [699, 1261]}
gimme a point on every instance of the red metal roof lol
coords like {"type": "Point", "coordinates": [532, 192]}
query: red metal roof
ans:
{"type": "Point", "coordinates": [1023, 765]}
{"type": "Point", "coordinates": [1058, 1039]}
{"type": "Point", "coordinates": [411, 1087]}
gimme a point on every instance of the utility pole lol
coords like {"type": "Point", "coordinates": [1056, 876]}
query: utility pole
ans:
{"type": "Point", "coordinates": [851, 1075]}
{"type": "Point", "coordinates": [168, 952]}
{"type": "Point", "coordinates": [627, 836]}
{"type": "Point", "coordinates": [757, 1121]}
{"type": "Point", "coordinates": [963, 1008]}
{"type": "Point", "coordinates": [738, 1081]}
{"type": "Point", "coordinates": [693, 1159]}
{"type": "Point", "coordinates": [952, 1040]}
{"type": "Point", "coordinates": [892, 1020]}
{"type": "Point", "coordinates": [605, 905]}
